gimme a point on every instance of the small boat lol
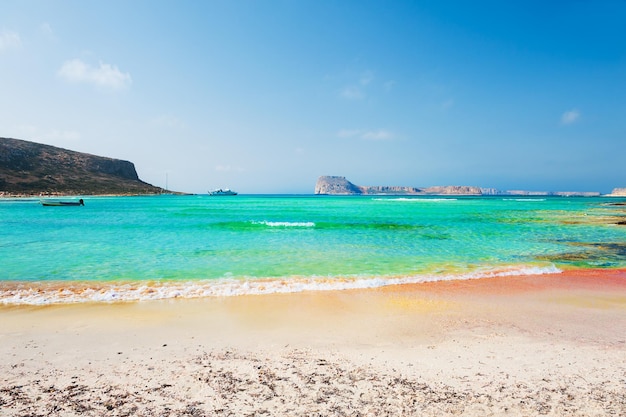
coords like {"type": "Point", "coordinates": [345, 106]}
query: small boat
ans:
{"type": "Point", "coordinates": [62, 203]}
{"type": "Point", "coordinates": [225, 191]}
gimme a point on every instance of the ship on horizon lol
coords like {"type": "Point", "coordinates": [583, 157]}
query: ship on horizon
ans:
{"type": "Point", "coordinates": [221, 192]}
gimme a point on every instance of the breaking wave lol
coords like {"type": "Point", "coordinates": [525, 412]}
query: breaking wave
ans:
{"type": "Point", "coordinates": [57, 292]}
{"type": "Point", "coordinates": [284, 224]}
{"type": "Point", "coordinates": [416, 200]}
{"type": "Point", "coordinates": [524, 199]}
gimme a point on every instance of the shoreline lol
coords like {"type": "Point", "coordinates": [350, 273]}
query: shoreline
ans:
{"type": "Point", "coordinates": [60, 292]}
{"type": "Point", "coordinates": [525, 345]}
{"type": "Point", "coordinates": [64, 195]}
{"type": "Point", "coordinates": [11, 196]}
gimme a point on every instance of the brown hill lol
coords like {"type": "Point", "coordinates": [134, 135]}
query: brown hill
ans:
{"type": "Point", "coordinates": [28, 168]}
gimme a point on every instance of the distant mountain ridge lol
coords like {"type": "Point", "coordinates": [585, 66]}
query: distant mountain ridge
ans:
{"type": "Point", "coordinates": [29, 168]}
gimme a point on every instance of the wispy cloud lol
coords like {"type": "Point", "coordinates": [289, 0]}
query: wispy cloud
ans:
{"type": "Point", "coordinates": [366, 78]}
{"type": "Point", "coordinates": [9, 40]}
{"type": "Point", "coordinates": [62, 135]}
{"type": "Point", "coordinates": [374, 135]}
{"type": "Point", "coordinates": [357, 90]}
{"type": "Point", "coordinates": [352, 93]}
{"type": "Point", "coordinates": [104, 75]}
{"type": "Point", "coordinates": [47, 31]}
{"type": "Point", "coordinates": [168, 121]}
{"type": "Point", "coordinates": [447, 104]}
{"type": "Point", "coordinates": [49, 135]}
{"type": "Point", "coordinates": [228, 168]}
{"type": "Point", "coordinates": [570, 117]}
{"type": "Point", "coordinates": [380, 134]}
{"type": "Point", "coordinates": [348, 133]}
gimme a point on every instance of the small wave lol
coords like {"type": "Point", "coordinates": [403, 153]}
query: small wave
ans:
{"type": "Point", "coordinates": [523, 199]}
{"type": "Point", "coordinates": [285, 224]}
{"type": "Point", "coordinates": [418, 200]}
{"type": "Point", "coordinates": [85, 292]}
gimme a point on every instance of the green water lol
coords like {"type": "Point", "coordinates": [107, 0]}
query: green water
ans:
{"type": "Point", "coordinates": [191, 245]}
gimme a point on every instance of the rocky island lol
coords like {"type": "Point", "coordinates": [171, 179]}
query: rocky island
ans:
{"type": "Point", "coordinates": [337, 185]}
{"type": "Point", "coordinates": [29, 168]}
{"type": "Point", "coordinates": [618, 192]}
{"type": "Point", "coordinates": [341, 186]}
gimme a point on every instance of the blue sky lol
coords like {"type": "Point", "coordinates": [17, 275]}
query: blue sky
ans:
{"type": "Point", "coordinates": [265, 96]}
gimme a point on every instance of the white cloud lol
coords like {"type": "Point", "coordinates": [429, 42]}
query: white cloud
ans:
{"type": "Point", "coordinates": [9, 40]}
{"type": "Point", "coordinates": [352, 93]}
{"type": "Point", "coordinates": [374, 135]}
{"type": "Point", "coordinates": [570, 117]}
{"type": "Point", "coordinates": [380, 134]}
{"type": "Point", "coordinates": [105, 75]}
{"type": "Point", "coordinates": [357, 89]}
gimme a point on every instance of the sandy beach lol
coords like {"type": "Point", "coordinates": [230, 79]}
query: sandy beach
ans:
{"type": "Point", "coordinates": [550, 345]}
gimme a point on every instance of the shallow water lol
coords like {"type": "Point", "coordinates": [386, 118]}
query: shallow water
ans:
{"type": "Point", "coordinates": [133, 248]}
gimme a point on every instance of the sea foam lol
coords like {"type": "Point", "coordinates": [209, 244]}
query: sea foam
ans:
{"type": "Point", "coordinates": [111, 292]}
{"type": "Point", "coordinates": [417, 199]}
{"type": "Point", "coordinates": [285, 224]}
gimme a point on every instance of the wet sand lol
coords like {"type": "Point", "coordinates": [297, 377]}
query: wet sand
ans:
{"type": "Point", "coordinates": [533, 345]}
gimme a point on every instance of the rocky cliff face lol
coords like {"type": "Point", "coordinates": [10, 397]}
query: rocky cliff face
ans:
{"type": "Point", "coordinates": [340, 185]}
{"type": "Point", "coordinates": [386, 189]}
{"type": "Point", "coordinates": [335, 185]}
{"type": "Point", "coordinates": [33, 168]}
{"type": "Point", "coordinates": [618, 192]}
{"type": "Point", "coordinates": [453, 190]}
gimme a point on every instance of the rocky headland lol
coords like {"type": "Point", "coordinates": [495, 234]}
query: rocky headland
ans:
{"type": "Point", "coordinates": [29, 168]}
{"type": "Point", "coordinates": [618, 192]}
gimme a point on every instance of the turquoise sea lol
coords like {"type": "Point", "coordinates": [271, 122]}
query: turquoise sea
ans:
{"type": "Point", "coordinates": [156, 247]}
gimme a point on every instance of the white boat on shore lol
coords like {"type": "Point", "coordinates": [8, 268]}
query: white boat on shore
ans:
{"type": "Point", "coordinates": [220, 191]}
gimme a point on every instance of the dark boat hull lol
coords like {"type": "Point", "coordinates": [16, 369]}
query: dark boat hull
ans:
{"type": "Point", "coordinates": [62, 203]}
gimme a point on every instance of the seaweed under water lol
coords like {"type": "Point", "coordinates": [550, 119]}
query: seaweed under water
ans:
{"type": "Point", "coordinates": [605, 254]}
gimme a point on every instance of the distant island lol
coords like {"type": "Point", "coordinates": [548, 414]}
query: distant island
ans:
{"type": "Point", "coordinates": [337, 185]}
{"type": "Point", "coordinates": [29, 168]}
{"type": "Point", "coordinates": [341, 186]}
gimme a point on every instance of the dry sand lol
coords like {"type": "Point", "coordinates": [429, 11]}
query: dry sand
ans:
{"type": "Point", "coordinates": [520, 346]}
